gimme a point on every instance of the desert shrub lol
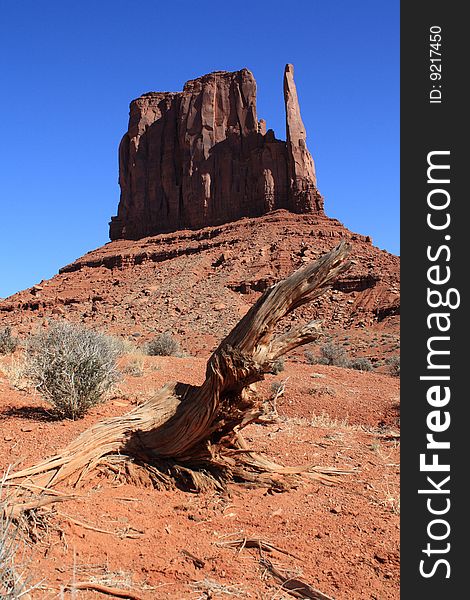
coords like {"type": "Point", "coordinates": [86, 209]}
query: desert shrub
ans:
{"type": "Point", "coordinates": [8, 342]}
{"type": "Point", "coordinates": [135, 368]}
{"type": "Point", "coordinates": [310, 357]}
{"type": "Point", "coordinates": [361, 364]}
{"type": "Point", "coordinates": [163, 344]}
{"type": "Point", "coordinates": [332, 354]}
{"type": "Point", "coordinates": [393, 364]}
{"type": "Point", "coordinates": [277, 366]}
{"type": "Point", "coordinates": [123, 345]}
{"type": "Point", "coordinates": [322, 390]}
{"type": "Point", "coordinates": [72, 367]}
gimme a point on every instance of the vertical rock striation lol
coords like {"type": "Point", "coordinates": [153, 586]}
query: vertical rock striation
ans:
{"type": "Point", "coordinates": [200, 157]}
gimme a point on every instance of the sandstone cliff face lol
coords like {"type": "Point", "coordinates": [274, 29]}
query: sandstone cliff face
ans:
{"type": "Point", "coordinates": [200, 157]}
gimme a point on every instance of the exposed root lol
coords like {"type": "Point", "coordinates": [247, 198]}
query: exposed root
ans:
{"type": "Point", "coordinates": [236, 465]}
{"type": "Point", "coordinates": [294, 586]}
{"type": "Point", "coordinates": [104, 589]}
{"type": "Point", "coordinates": [261, 545]}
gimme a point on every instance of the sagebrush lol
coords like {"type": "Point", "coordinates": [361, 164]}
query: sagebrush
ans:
{"type": "Point", "coordinates": [72, 367]}
{"type": "Point", "coordinates": [330, 354]}
{"type": "Point", "coordinates": [393, 364]}
{"type": "Point", "coordinates": [163, 344]}
{"type": "Point", "coordinates": [8, 342]}
{"type": "Point", "coordinates": [361, 364]}
{"type": "Point", "coordinates": [333, 354]}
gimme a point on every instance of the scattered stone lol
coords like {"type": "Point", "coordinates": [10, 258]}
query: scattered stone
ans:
{"type": "Point", "coordinates": [220, 306]}
{"type": "Point", "coordinates": [381, 558]}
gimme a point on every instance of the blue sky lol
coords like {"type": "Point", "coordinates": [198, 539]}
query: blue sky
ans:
{"type": "Point", "coordinates": [69, 70]}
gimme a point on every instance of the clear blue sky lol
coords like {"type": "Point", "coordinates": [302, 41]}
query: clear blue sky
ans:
{"type": "Point", "coordinates": [69, 70]}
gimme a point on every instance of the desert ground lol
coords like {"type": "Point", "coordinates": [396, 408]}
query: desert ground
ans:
{"type": "Point", "coordinates": [339, 537]}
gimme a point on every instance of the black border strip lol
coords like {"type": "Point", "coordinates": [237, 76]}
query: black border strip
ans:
{"type": "Point", "coordinates": [428, 127]}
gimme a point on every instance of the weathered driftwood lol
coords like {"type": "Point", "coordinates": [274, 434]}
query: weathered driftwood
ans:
{"type": "Point", "coordinates": [193, 432]}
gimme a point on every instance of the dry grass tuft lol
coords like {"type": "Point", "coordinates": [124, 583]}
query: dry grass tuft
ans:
{"type": "Point", "coordinates": [14, 582]}
{"type": "Point", "coordinates": [15, 369]}
{"type": "Point", "coordinates": [136, 367]}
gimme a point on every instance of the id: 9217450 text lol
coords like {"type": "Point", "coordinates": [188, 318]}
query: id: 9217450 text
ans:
{"type": "Point", "coordinates": [435, 64]}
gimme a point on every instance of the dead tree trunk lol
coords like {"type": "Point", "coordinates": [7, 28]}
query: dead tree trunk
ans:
{"type": "Point", "coordinates": [194, 431]}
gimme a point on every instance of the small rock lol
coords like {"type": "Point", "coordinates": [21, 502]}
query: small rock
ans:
{"type": "Point", "coordinates": [381, 558]}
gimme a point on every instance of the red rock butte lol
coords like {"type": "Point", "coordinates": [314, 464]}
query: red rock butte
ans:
{"type": "Point", "coordinates": [201, 157]}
